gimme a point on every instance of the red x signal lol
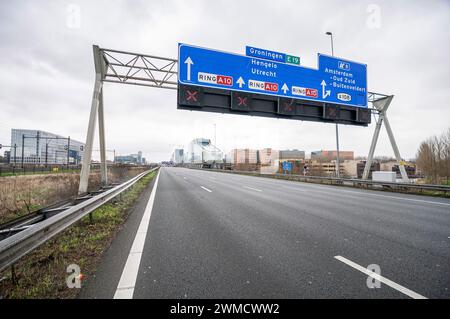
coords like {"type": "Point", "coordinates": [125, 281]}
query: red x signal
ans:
{"type": "Point", "coordinates": [192, 95]}
{"type": "Point", "coordinates": [242, 101]}
{"type": "Point", "coordinates": [288, 106]}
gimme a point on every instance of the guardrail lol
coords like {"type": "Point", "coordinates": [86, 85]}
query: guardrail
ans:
{"type": "Point", "coordinates": [360, 183]}
{"type": "Point", "coordinates": [18, 245]}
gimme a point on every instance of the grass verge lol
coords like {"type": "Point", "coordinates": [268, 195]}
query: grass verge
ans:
{"type": "Point", "coordinates": [42, 274]}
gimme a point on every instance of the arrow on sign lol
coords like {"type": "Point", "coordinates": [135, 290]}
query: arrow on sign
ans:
{"type": "Point", "coordinates": [284, 88]}
{"type": "Point", "coordinates": [326, 93]}
{"type": "Point", "coordinates": [240, 81]}
{"type": "Point", "coordinates": [188, 63]}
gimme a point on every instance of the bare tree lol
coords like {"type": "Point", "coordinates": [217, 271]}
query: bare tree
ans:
{"type": "Point", "coordinates": [433, 158]}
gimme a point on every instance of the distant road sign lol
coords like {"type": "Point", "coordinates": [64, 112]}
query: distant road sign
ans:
{"type": "Point", "coordinates": [336, 80]}
{"type": "Point", "coordinates": [287, 166]}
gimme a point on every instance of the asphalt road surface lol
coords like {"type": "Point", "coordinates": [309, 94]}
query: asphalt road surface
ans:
{"type": "Point", "coordinates": [217, 235]}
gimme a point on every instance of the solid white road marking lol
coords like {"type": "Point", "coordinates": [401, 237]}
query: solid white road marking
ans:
{"type": "Point", "coordinates": [400, 198]}
{"type": "Point", "coordinates": [125, 288]}
{"type": "Point", "coordinates": [208, 190]}
{"type": "Point", "coordinates": [254, 189]}
{"type": "Point", "coordinates": [380, 278]}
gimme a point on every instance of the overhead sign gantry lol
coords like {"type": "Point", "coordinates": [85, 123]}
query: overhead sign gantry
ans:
{"type": "Point", "coordinates": [334, 92]}
{"type": "Point", "coordinates": [272, 84]}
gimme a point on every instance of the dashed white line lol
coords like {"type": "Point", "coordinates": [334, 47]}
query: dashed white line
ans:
{"type": "Point", "coordinates": [254, 189]}
{"type": "Point", "coordinates": [296, 188]}
{"type": "Point", "coordinates": [319, 187]}
{"type": "Point", "coordinates": [125, 288]}
{"type": "Point", "coordinates": [380, 278]}
{"type": "Point", "coordinates": [208, 190]}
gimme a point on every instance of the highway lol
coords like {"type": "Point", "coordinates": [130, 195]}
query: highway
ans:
{"type": "Point", "coordinates": [204, 234]}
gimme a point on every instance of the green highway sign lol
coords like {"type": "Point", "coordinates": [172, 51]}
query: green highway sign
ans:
{"type": "Point", "coordinates": [292, 59]}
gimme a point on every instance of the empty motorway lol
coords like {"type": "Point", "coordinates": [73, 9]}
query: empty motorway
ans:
{"type": "Point", "coordinates": [203, 234]}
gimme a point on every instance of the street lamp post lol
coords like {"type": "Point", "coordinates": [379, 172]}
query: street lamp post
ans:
{"type": "Point", "coordinates": [337, 126]}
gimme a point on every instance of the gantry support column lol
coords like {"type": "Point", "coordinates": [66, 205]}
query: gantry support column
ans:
{"type": "Point", "coordinates": [97, 99]}
{"type": "Point", "coordinates": [382, 105]}
{"type": "Point", "coordinates": [101, 130]}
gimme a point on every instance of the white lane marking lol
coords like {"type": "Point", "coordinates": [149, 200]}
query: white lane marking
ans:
{"type": "Point", "coordinates": [254, 189]}
{"type": "Point", "coordinates": [399, 198]}
{"type": "Point", "coordinates": [127, 282]}
{"type": "Point", "coordinates": [380, 278]}
{"type": "Point", "coordinates": [208, 190]}
{"type": "Point", "coordinates": [184, 178]}
{"type": "Point", "coordinates": [323, 187]}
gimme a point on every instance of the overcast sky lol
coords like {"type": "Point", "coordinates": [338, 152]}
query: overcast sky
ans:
{"type": "Point", "coordinates": [47, 72]}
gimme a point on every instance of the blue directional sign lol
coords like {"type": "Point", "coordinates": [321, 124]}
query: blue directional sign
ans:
{"type": "Point", "coordinates": [335, 80]}
{"type": "Point", "coordinates": [287, 166]}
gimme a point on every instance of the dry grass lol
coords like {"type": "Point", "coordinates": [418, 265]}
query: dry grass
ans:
{"type": "Point", "coordinates": [19, 194]}
{"type": "Point", "coordinates": [42, 274]}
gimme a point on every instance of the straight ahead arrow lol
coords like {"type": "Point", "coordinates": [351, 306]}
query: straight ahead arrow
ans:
{"type": "Point", "coordinates": [189, 63]}
{"type": "Point", "coordinates": [240, 81]}
{"type": "Point", "coordinates": [284, 88]}
{"type": "Point", "coordinates": [326, 93]}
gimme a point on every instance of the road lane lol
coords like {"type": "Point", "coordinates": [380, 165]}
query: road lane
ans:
{"type": "Point", "coordinates": [410, 239]}
{"type": "Point", "coordinates": [305, 236]}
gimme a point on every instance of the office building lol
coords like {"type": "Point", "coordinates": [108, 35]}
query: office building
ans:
{"type": "Point", "coordinates": [135, 159]}
{"type": "Point", "coordinates": [201, 151]}
{"type": "Point", "coordinates": [177, 156]}
{"type": "Point", "coordinates": [40, 147]}
{"type": "Point", "coordinates": [328, 156]}
{"type": "Point", "coordinates": [292, 155]}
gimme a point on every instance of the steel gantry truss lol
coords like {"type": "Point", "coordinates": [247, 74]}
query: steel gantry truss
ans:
{"type": "Point", "coordinates": [125, 68]}
{"type": "Point", "coordinates": [146, 70]}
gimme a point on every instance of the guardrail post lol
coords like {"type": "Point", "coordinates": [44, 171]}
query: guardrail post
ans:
{"type": "Point", "coordinates": [14, 276]}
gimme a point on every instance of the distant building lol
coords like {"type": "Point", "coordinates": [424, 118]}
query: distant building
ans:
{"type": "Point", "coordinates": [7, 157]}
{"type": "Point", "coordinates": [410, 170]}
{"type": "Point", "coordinates": [375, 167]}
{"type": "Point", "coordinates": [202, 151]}
{"type": "Point", "coordinates": [292, 155]}
{"type": "Point", "coordinates": [40, 147]}
{"type": "Point", "coordinates": [243, 156]}
{"type": "Point", "coordinates": [268, 157]}
{"type": "Point", "coordinates": [177, 156]}
{"type": "Point", "coordinates": [328, 156]}
{"type": "Point", "coordinates": [135, 159]}
{"type": "Point", "coordinates": [350, 168]}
